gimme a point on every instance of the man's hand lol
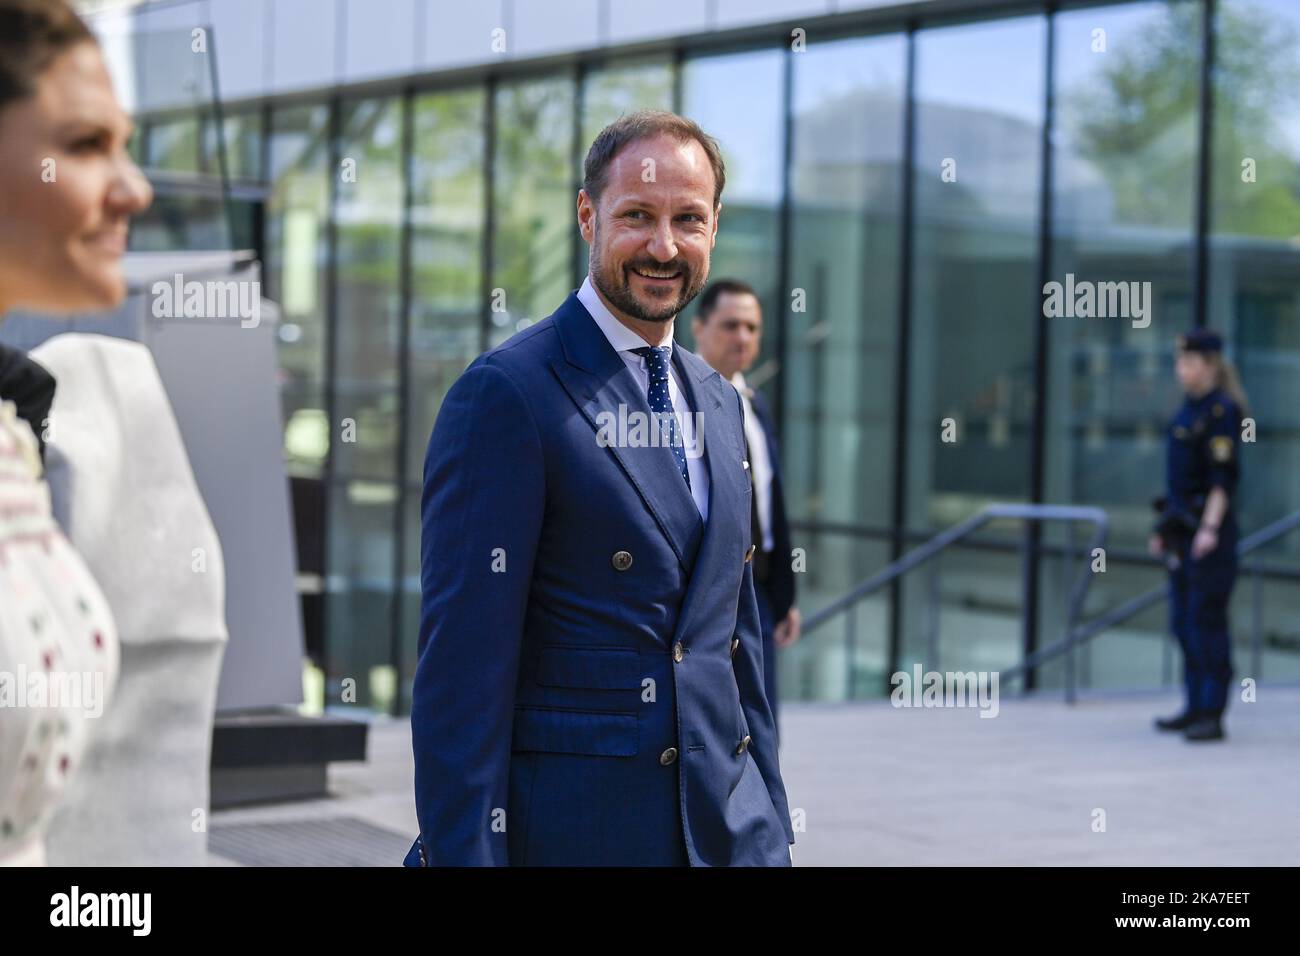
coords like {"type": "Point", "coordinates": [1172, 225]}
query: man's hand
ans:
{"type": "Point", "coordinates": [788, 629]}
{"type": "Point", "coordinates": [1206, 540]}
{"type": "Point", "coordinates": [1155, 545]}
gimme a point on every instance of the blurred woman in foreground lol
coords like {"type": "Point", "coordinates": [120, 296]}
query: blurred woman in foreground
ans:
{"type": "Point", "coordinates": [67, 191]}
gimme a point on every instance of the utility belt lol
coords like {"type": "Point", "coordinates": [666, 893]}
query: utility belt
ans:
{"type": "Point", "coordinates": [1176, 524]}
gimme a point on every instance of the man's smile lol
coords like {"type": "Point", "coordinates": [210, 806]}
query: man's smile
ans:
{"type": "Point", "coordinates": [656, 278]}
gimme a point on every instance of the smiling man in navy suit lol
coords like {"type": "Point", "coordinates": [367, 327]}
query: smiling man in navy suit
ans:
{"type": "Point", "coordinates": [590, 682]}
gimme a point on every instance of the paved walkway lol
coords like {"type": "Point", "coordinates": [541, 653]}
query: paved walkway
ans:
{"type": "Point", "coordinates": [921, 787]}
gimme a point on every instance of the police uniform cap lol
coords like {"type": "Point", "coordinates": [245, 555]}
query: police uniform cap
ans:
{"type": "Point", "coordinates": [1201, 340]}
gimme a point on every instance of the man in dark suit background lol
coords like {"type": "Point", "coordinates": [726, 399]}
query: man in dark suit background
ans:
{"type": "Point", "coordinates": [728, 331]}
{"type": "Point", "coordinates": [590, 688]}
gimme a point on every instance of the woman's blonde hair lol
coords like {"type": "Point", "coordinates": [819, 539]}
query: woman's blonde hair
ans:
{"type": "Point", "coordinates": [1208, 345]}
{"type": "Point", "coordinates": [1226, 378]}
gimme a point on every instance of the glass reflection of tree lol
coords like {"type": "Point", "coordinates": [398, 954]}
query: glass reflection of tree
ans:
{"type": "Point", "coordinates": [533, 215]}
{"type": "Point", "coordinates": [1145, 98]}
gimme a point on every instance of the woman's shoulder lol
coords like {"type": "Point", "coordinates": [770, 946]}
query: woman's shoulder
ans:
{"type": "Point", "coordinates": [1222, 405]}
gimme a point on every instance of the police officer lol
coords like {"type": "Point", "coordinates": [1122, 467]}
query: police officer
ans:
{"type": "Point", "coordinates": [1197, 528]}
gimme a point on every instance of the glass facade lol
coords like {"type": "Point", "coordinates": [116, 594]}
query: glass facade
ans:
{"type": "Point", "coordinates": [533, 217]}
{"type": "Point", "coordinates": [969, 404]}
{"type": "Point", "coordinates": [296, 269]}
{"type": "Point", "coordinates": [838, 379]}
{"type": "Point", "coordinates": [1123, 209]}
{"type": "Point", "coordinates": [1252, 262]}
{"type": "Point", "coordinates": [448, 218]}
{"type": "Point", "coordinates": [898, 198]}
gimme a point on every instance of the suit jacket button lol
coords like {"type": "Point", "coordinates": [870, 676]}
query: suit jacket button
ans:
{"type": "Point", "coordinates": [622, 560]}
{"type": "Point", "coordinates": [678, 652]}
{"type": "Point", "coordinates": [743, 745]}
{"type": "Point", "coordinates": [749, 554]}
{"type": "Point", "coordinates": [668, 756]}
{"type": "Point", "coordinates": [735, 645]}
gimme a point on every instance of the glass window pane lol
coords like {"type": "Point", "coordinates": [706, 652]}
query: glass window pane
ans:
{"type": "Point", "coordinates": [1123, 218]}
{"type": "Point", "coordinates": [751, 133]}
{"type": "Point", "coordinates": [173, 144]}
{"type": "Point", "coordinates": [842, 350]}
{"type": "Point", "coordinates": [1123, 208]}
{"type": "Point", "coordinates": [825, 666]}
{"type": "Point", "coordinates": [979, 116]}
{"type": "Point", "coordinates": [1254, 259]}
{"type": "Point", "coordinates": [368, 216]}
{"type": "Point", "coordinates": [610, 92]}
{"type": "Point", "coordinates": [359, 594]}
{"type": "Point", "coordinates": [296, 253]}
{"type": "Point", "coordinates": [532, 247]}
{"type": "Point", "coordinates": [447, 212]}
{"type": "Point", "coordinates": [242, 137]}
{"type": "Point", "coordinates": [1254, 294]}
{"type": "Point", "coordinates": [975, 307]}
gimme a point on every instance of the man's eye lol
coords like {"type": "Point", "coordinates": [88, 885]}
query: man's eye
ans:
{"type": "Point", "coordinates": [635, 214]}
{"type": "Point", "coordinates": [691, 217]}
{"type": "Point", "coordinates": [87, 144]}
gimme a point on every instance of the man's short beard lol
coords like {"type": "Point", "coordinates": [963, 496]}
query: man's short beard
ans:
{"type": "Point", "coordinates": [623, 299]}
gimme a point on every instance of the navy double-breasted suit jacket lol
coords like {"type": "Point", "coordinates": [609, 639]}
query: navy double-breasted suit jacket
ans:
{"type": "Point", "coordinates": [589, 688]}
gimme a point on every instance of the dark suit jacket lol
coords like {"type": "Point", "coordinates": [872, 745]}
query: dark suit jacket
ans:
{"type": "Point", "coordinates": [780, 587]}
{"type": "Point", "coordinates": [590, 680]}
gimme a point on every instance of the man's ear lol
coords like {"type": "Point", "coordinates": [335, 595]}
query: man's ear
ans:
{"type": "Point", "coordinates": [717, 212]}
{"type": "Point", "coordinates": [586, 215]}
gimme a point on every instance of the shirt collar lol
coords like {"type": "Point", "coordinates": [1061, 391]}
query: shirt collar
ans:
{"type": "Point", "coordinates": [742, 387]}
{"type": "Point", "coordinates": [619, 335]}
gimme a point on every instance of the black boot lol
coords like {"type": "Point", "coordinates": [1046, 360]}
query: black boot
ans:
{"type": "Point", "coordinates": [1209, 727]}
{"type": "Point", "coordinates": [1180, 722]}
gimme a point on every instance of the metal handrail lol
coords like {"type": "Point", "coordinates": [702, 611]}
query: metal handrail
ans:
{"type": "Point", "coordinates": [930, 549]}
{"type": "Point", "coordinates": [1122, 612]}
{"type": "Point", "coordinates": [1075, 634]}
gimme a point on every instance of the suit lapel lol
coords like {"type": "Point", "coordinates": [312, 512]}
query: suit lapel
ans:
{"type": "Point", "coordinates": [728, 518]}
{"type": "Point", "coordinates": [599, 382]}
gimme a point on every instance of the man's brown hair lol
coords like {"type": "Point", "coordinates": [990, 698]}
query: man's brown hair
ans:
{"type": "Point", "coordinates": [647, 124]}
{"type": "Point", "coordinates": [32, 34]}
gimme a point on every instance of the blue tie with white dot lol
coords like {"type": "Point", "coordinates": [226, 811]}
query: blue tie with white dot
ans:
{"type": "Point", "coordinates": [656, 358]}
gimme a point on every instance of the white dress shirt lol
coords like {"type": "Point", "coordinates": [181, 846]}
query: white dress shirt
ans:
{"type": "Point", "coordinates": [760, 459]}
{"type": "Point", "coordinates": [624, 340]}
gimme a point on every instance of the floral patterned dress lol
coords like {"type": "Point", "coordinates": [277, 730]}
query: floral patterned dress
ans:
{"type": "Point", "coordinates": [59, 653]}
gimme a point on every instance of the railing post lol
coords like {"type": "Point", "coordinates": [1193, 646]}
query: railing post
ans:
{"type": "Point", "coordinates": [1085, 558]}
{"type": "Point", "coordinates": [1257, 630]}
{"type": "Point", "coordinates": [932, 549]}
{"type": "Point", "coordinates": [932, 617]}
{"type": "Point", "coordinates": [1028, 599]}
{"type": "Point", "coordinates": [850, 648]}
{"type": "Point", "coordinates": [1069, 666]}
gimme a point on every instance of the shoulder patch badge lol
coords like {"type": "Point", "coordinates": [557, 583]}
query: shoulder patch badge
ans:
{"type": "Point", "coordinates": [1221, 448]}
